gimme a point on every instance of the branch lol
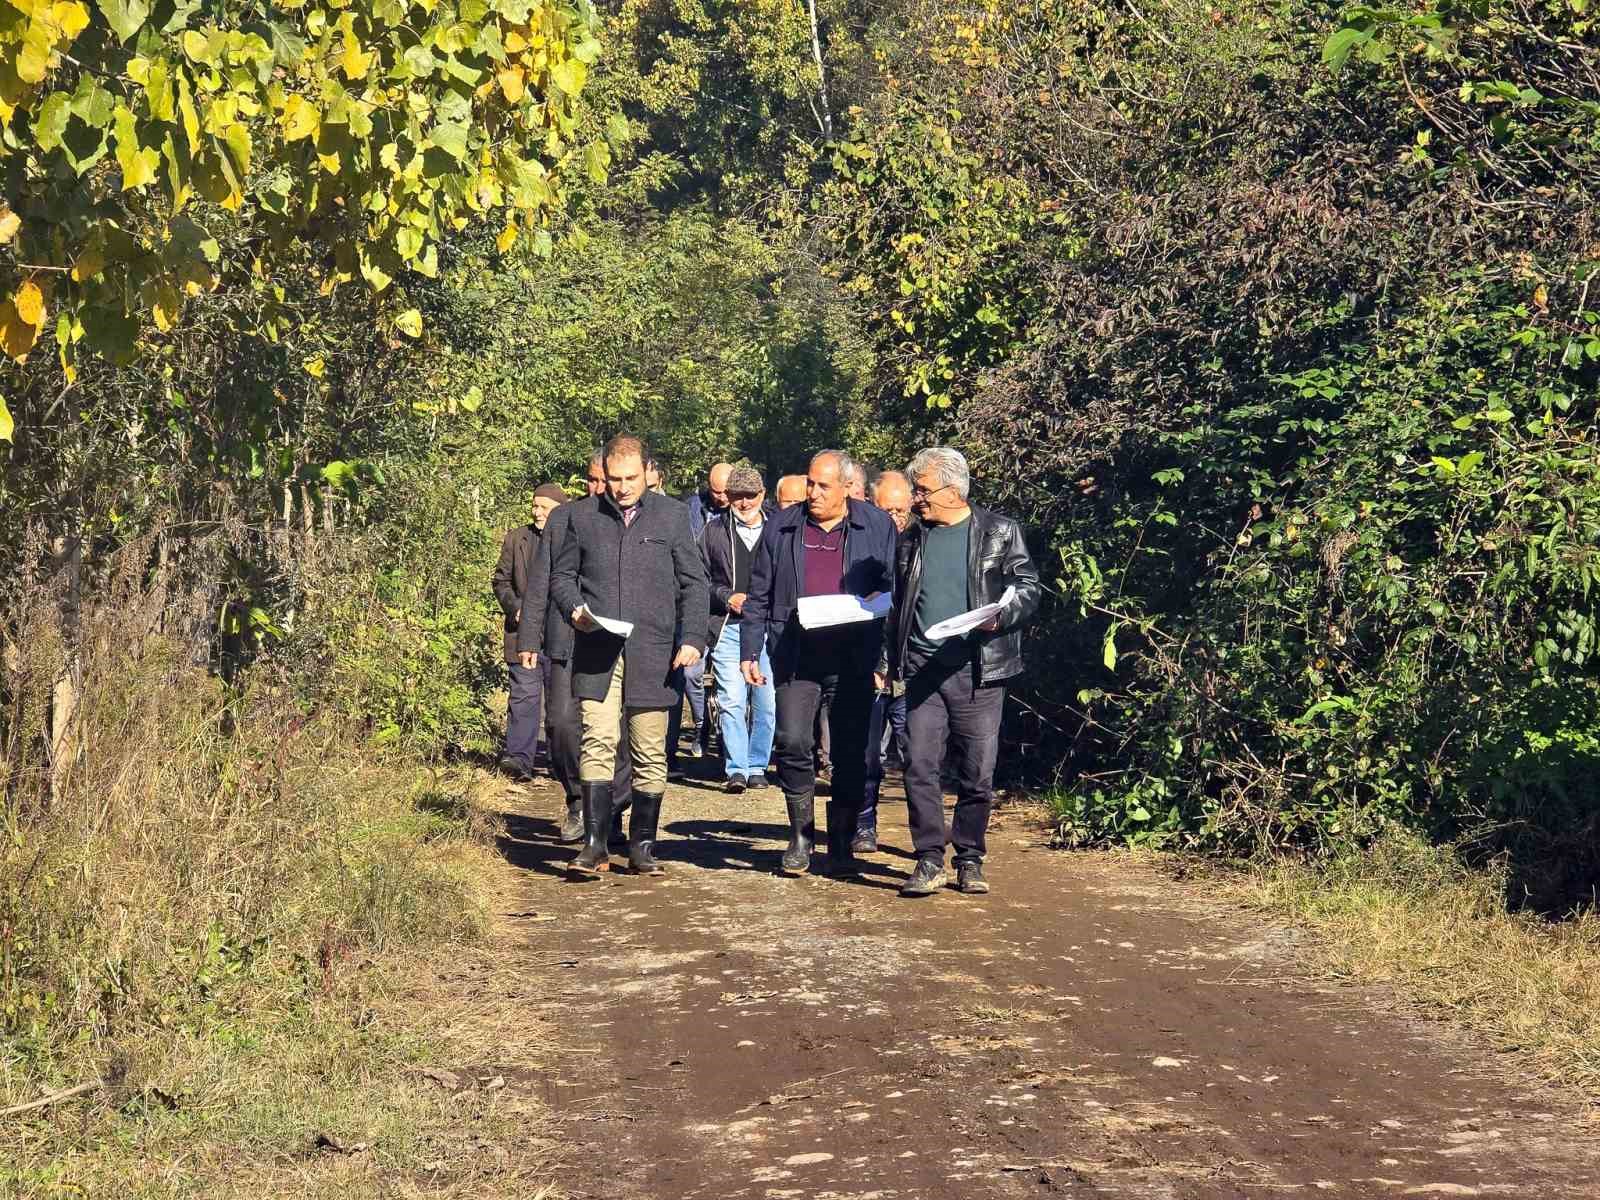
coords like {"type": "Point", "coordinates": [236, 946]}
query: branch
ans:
{"type": "Point", "coordinates": [53, 1098]}
{"type": "Point", "coordinates": [822, 76]}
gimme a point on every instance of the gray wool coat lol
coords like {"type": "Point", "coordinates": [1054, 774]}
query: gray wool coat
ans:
{"type": "Point", "coordinates": [649, 573]}
{"type": "Point", "coordinates": [518, 550]}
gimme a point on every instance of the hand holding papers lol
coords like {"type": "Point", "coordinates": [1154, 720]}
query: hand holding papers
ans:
{"type": "Point", "coordinates": [621, 628]}
{"type": "Point", "coordinates": [966, 622]}
{"type": "Point", "coordinates": [822, 612]}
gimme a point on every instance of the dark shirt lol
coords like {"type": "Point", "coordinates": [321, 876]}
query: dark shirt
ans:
{"type": "Point", "coordinates": [824, 559]}
{"type": "Point", "coordinates": [943, 591]}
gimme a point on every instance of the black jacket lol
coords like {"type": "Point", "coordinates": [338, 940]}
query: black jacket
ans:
{"type": "Point", "coordinates": [723, 562]}
{"type": "Point", "coordinates": [648, 573]}
{"type": "Point", "coordinates": [997, 558]}
{"type": "Point", "coordinates": [511, 574]}
{"type": "Point", "coordinates": [778, 574]}
{"type": "Point", "coordinates": [550, 634]}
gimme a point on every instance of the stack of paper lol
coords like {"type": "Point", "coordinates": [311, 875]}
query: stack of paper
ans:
{"type": "Point", "coordinates": [821, 612]}
{"type": "Point", "coordinates": [966, 622]}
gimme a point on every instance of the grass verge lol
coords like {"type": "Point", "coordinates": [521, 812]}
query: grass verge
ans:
{"type": "Point", "coordinates": [1410, 915]}
{"type": "Point", "coordinates": [257, 958]}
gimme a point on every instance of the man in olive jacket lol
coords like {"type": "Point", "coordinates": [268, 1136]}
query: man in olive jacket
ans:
{"type": "Point", "coordinates": [958, 557]}
{"type": "Point", "coordinates": [628, 556]}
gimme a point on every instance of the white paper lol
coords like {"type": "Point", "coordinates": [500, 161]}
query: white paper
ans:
{"type": "Point", "coordinates": [823, 612]}
{"type": "Point", "coordinates": [621, 628]}
{"type": "Point", "coordinates": [968, 621]}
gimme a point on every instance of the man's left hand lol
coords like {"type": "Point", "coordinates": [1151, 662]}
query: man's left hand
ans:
{"type": "Point", "coordinates": [687, 656]}
{"type": "Point", "coordinates": [992, 625]}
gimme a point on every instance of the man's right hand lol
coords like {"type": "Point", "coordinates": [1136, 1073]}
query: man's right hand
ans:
{"type": "Point", "coordinates": [581, 620]}
{"type": "Point", "coordinates": [529, 659]}
{"type": "Point", "coordinates": [751, 670]}
{"type": "Point", "coordinates": [736, 602]}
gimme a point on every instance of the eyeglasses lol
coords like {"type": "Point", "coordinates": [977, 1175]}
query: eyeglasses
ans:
{"type": "Point", "coordinates": [922, 493]}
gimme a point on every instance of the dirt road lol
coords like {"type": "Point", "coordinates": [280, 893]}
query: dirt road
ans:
{"type": "Point", "coordinates": [1087, 1029]}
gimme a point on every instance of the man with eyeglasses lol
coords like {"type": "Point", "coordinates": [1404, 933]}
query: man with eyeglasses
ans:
{"type": "Point", "coordinates": [957, 558]}
{"type": "Point", "coordinates": [747, 712]}
{"type": "Point", "coordinates": [830, 545]}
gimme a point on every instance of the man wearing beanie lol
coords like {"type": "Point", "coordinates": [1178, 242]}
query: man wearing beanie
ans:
{"type": "Point", "coordinates": [518, 549]}
{"type": "Point", "coordinates": [748, 711]}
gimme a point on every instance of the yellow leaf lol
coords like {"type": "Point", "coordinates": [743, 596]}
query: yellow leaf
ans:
{"type": "Point", "coordinates": [330, 163]}
{"type": "Point", "coordinates": [355, 62]}
{"type": "Point", "coordinates": [1541, 298]}
{"type": "Point", "coordinates": [514, 42]}
{"type": "Point", "coordinates": [511, 84]}
{"type": "Point", "coordinates": [409, 322]}
{"type": "Point", "coordinates": [71, 18]}
{"type": "Point", "coordinates": [507, 238]}
{"type": "Point", "coordinates": [16, 335]}
{"type": "Point", "coordinates": [164, 304]}
{"type": "Point", "coordinates": [300, 119]}
{"type": "Point", "coordinates": [9, 224]}
{"type": "Point", "coordinates": [29, 301]}
{"type": "Point", "coordinates": [314, 366]}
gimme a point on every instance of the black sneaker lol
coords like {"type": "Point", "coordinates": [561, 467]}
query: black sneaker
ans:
{"type": "Point", "coordinates": [927, 879]}
{"type": "Point", "coordinates": [865, 842]}
{"type": "Point", "coordinates": [969, 878]}
{"type": "Point", "coordinates": [735, 784]}
{"type": "Point", "coordinates": [757, 781]}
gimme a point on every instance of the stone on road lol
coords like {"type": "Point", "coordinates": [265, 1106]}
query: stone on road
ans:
{"type": "Point", "coordinates": [1090, 1028]}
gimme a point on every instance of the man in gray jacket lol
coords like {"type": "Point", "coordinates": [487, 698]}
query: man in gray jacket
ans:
{"type": "Point", "coordinates": [628, 560]}
{"type": "Point", "coordinates": [518, 552]}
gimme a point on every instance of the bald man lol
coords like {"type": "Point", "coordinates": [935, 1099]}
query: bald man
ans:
{"type": "Point", "coordinates": [831, 545]}
{"type": "Point", "coordinates": [886, 732]}
{"type": "Point", "coordinates": [791, 490]}
{"type": "Point", "coordinates": [711, 502]}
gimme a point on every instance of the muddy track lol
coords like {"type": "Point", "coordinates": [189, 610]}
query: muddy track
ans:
{"type": "Point", "coordinates": [1090, 1028]}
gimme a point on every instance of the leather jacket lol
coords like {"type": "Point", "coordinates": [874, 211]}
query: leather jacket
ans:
{"type": "Point", "coordinates": [997, 558]}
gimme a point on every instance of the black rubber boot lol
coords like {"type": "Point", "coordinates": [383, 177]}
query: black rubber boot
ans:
{"type": "Point", "coordinates": [841, 835]}
{"type": "Point", "coordinates": [802, 834]}
{"type": "Point", "coordinates": [617, 838]}
{"type": "Point", "coordinates": [594, 857]}
{"type": "Point", "coordinates": [572, 825]}
{"type": "Point", "coordinates": [642, 834]}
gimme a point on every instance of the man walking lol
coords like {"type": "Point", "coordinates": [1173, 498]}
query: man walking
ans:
{"type": "Point", "coordinates": [748, 711]}
{"type": "Point", "coordinates": [628, 558]}
{"type": "Point", "coordinates": [711, 502]}
{"type": "Point", "coordinates": [829, 546]}
{"type": "Point", "coordinates": [891, 493]}
{"type": "Point", "coordinates": [547, 643]}
{"type": "Point", "coordinates": [518, 550]}
{"type": "Point", "coordinates": [959, 557]}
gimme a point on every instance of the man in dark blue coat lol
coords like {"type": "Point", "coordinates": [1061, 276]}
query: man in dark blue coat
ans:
{"type": "Point", "coordinates": [628, 557]}
{"type": "Point", "coordinates": [830, 545]}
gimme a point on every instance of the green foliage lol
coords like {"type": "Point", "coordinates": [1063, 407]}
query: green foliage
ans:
{"type": "Point", "coordinates": [1297, 371]}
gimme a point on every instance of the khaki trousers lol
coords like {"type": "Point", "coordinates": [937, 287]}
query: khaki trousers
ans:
{"type": "Point", "coordinates": [602, 730]}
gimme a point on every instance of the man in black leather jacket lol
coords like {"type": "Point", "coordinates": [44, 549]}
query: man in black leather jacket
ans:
{"type": "Point", "coordinates": [957, 558]}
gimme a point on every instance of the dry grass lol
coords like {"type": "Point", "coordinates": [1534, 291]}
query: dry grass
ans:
{"type": "Point", "coordinates": [1410, 915]}
{"type": "Point", "coordinates": [249, 934]}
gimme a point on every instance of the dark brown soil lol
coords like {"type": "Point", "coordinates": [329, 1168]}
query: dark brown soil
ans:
{"type": "Point", "coordinates": [1090, 1028]}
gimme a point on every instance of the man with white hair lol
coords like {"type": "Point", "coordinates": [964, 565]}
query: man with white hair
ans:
{"type": "Point", "coordinates": [957, 558]}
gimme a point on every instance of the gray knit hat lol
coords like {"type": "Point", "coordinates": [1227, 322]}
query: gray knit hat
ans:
{"type": "Point", "coordinates": [745, 479]}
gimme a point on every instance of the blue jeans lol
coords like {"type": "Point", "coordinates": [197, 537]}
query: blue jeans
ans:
{"type": "Point", "coordinates": [749, 715]}
{"type": "Point", "coordinates": [887, 727]}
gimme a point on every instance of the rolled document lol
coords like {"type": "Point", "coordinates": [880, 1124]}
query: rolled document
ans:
{"type": "Point", "coordinates": [968, 621]}
{"type": "Point", "coordinates": [822, 612]}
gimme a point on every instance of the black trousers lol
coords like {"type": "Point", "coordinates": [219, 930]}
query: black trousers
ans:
{"type": "Point", "coordinates": [564, 731]}
{"type": "Point", "coordinates": [945, 706]}
{"type": "Point", "coordinates": [822, 666]}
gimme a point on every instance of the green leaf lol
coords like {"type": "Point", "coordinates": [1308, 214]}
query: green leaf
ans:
{"type": "Point", "coordinates": [124, 16]}
{"type": "Point", "coordinates": [451, 138]}
{"type": "Point", "coordinates": [409, 323]}
{"type": "Point", "coordinates": [1337, 49]}
{"type": "Point", "coordinates": [7, 425]}
{"type": "Point", "coordinates": [51, 121]}
{"type": "Point", "coordinates": [1109, 652]}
